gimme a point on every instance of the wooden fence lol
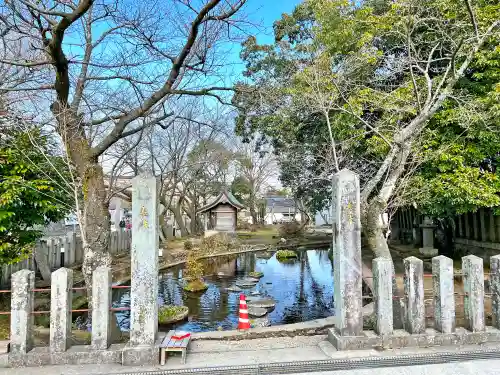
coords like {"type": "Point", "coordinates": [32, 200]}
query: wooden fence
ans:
{"type": "Point", "coordinates": [64, 251]}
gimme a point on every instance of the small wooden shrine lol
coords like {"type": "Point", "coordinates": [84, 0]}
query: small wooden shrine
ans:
{"type": "Point", "coordinates": [221, 214]}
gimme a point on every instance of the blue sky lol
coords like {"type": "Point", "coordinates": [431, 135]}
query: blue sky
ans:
{"type": "Point", "coordinates": [268, 11]}
{"type": "Point", "coordinates": [262, 13]}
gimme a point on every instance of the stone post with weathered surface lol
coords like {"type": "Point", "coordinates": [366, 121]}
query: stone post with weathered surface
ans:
{"type": "Point", "coordinates": [473, 276]}
{"type": "Point", "coordinates": [382, 283]}
{"type": "Point", "coordinates": [414, 295]}
{"type": "Point", "coordinates": [61, 298]}
{"type": "Point", "coordinates": [21, 319]}
{"type": "Point", "coordinates": [347, 253]}
{"type": "Point", "coordinates": [495, 289]}
{"type": "Point", "coordinates": [101, 305]}
{"type": "Point", "coordinates": [444, 294]}
{"type": "Point", "coordinates": [144, 269]}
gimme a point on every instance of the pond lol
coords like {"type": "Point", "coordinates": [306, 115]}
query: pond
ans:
{"type": "Point", "coordinates": [301, 288]}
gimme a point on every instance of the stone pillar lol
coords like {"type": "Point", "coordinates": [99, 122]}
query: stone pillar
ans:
{"type": "Point", "coordinates": [473, 275]}
{"type": "Point", "coordinates": [414, 295]}
{"type": "Point", "coordinates": [21, 318]}
{"type": "Point", "coordinates": [61, 298]}
{"type": "Point", "coordinates": [382, 283]}
{"type": "Point", "coordinates": [101, 305]}
{"type": "Point", "coordinates": [444, 294]}
{"type": "Point", "coordinates": [347, 258]}
{"type": "Point", "coordinates": [144, 268]}
{"type": "Point", "coordinates": [495, 289]}
{"type": "Point", "coordinates": [427, 248]}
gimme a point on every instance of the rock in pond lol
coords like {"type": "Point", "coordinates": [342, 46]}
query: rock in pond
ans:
{"type": "Point", "coordinates": [265, 303]}
{"type": "Point", "coordinates": [256, 311]}
{"type": "Point", "coordinates": [233, 288]}
{"type": "Point", "coordinates": [260, 322]}
{"type": "Point", "coordinates": [170, 314]}
{"type": "Point", "coordinates": [248, 282]}
{"type": "Point", "coordinates": [256, 274]}
{"type": "Point", "coordinates": [255, 293]}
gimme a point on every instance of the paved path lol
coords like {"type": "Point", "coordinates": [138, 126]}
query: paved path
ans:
{"type": "Point", "coordinates": [484, 367]}
{"type": "Point", "coordinates": [214, 353]}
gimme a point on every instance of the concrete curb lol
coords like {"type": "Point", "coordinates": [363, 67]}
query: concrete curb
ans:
{"type": "Point", "coordinates": [333, 365]}
{"type": "Point", "coordinates": [309, 328]}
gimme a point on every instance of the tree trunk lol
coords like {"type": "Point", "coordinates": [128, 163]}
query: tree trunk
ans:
{"type": "Point", "coordinates": [163, 228]}
{"type": "Point", "coordinates": [97, 224]}
{"type": "Point", "coordinates": [96, 218]}
{"type": "Point", "coordinates": [176, 210]}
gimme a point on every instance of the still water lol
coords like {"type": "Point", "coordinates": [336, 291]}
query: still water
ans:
{"type": "Point", "coordinates": [302, 289]}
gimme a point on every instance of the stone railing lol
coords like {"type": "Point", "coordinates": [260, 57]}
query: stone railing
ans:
{"type": "Point", "coordinates": [144, 338]}
{"type": "Point", "coordinates": [415, 332]}
{"type": "Point", "coordinates": [348, 332]}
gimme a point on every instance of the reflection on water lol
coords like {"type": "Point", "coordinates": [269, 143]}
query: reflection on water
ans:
{"type": "Point", "coordinates": [303, 290]}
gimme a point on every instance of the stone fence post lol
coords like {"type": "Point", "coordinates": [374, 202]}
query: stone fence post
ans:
{"type": "Point", "coordinates": [22, 319]}
{"type": "Point", "coordinates": [382, 295]}
{"type": "Point", "coordinates": [347, 253]}
{"type": "Point", "coordinates": [473, 275]}
{"type": "Point", "coordinates": [144, 269]}
{"type": "Point", "coordinates": [61, 298]}
{"type": "Point", "coordinates": [414, 295]}
{"type": "Point", "coordinates": [101, 305]}
{"type": "Point", "coordinates": [495, 289]}
{"type": "Point", "coordinates": [444, 294]}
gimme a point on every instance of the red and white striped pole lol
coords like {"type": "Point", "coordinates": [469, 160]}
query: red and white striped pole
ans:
{"type": "Point", "coordinates": [243, 321]}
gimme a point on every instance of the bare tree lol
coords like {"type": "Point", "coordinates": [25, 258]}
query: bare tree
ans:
{"type": "Point", "coordinates": [256, 165]}
{"type": "Point", "coordinates": [112, 69]}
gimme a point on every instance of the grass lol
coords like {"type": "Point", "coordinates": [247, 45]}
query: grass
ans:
{"type": "Point", "coordinates": [265, 234]}
{"type": "Point", "coordinates": [285, 254]}
{"type": "Point", "coordinates": [171, 314]}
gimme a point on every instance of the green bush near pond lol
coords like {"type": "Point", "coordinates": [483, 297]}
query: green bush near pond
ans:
{"type": "Point", "coordinates": [195, 286]}
{"type": "Point", "coordinates": [170, 314]}
{"type": "Point", "coordinates": [285, 254]}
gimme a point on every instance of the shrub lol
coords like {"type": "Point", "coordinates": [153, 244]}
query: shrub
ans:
{"type": "Point", "coordinates": [291, 229]}
{"type": "Point", "coordinates": [285, 254]}
{"type": "Point", "coordinates": [188, 245]}
{"type": "Point", "coordinates": [217, 243]}
{"type": "Point", "coordinates": [194, 268]}
{"type": "Point", "coordinates": [195, 286]}
{"type": "Point", "coordinates": [243, 225]}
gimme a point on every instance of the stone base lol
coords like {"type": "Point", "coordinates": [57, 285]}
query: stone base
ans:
{"type": "Point", "coordinates": [76, 355]}
{"type": "Point", "coordinates": [84, 355]}
{"type": "Point", "coordinates": [402, 339]}
{"type": "Point", "coordinates": [428, 251]}
{"type": "Point", "coordinates": [140, 355]}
